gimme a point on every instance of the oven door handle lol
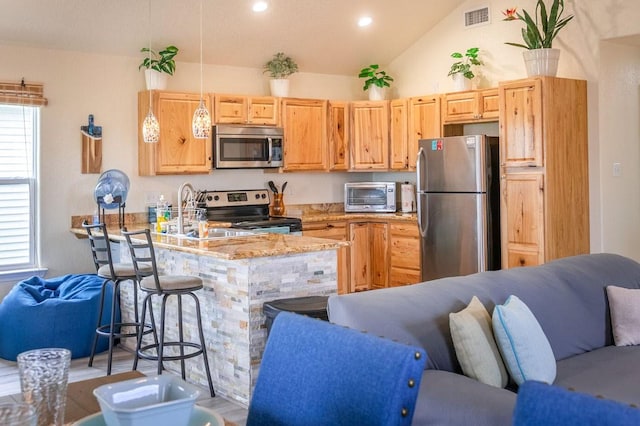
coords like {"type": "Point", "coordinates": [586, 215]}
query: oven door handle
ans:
{"type": "Point", "coordinates": [270, 149]}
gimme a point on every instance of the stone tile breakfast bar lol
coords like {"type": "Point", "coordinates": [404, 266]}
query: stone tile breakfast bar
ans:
{"type": "Point", "coordinates": [239, 275]}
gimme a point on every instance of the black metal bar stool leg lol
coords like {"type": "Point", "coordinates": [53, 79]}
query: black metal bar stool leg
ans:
{"type": "Point", "coordinates": [98, 323]}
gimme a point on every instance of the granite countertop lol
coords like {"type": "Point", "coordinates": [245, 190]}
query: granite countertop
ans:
{"type": "Point", "coordinates": [317, 216]}
{"type": "Point", "coordinates": [232, 248]}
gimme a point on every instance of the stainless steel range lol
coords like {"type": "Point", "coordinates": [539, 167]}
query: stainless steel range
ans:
{"type": "Point", "coordinates": [246, 209]}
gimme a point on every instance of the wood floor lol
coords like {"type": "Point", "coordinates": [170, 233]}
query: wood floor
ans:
{"type": "Point", "coordinates": [122, 361]}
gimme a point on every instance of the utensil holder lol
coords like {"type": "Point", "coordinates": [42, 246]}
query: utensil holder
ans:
{"type": "Point", "coordinates": [277, 207]}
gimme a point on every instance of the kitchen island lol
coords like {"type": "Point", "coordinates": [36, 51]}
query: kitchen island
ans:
{"type": "Point", "coordinates": [239, 275]}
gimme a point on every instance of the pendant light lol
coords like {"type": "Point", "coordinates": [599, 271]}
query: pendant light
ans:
{"type": "Point", "coordinates": [201, 119]}
{"type": "Point", "coordinates": [150, 125]}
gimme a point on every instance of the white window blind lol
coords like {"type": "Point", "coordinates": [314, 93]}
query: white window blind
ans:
{"type": "Point", "coordinates": [19, 130]}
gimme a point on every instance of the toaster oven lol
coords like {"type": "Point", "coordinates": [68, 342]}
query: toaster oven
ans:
{"type": "Point", "coordinates": [369, 197]}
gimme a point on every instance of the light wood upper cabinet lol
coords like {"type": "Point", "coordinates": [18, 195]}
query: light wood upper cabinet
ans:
{"type": "Point", "coordinates": [177, 152]}
{"type": "Point", "coordinates": [369, 135]}
{"type": "Point", "coordinates": [239, 109]}
{"type": "Point", "coordinates": [521, 119]}
{"type": "Point", "coordinates": [305, 134]}
{"type": "Point", "coordinates": [399, 157]}
{"type": "Point", "coordinates": [544, 172]}
{"type": "Point", "coordinates": [424, 123]}
{"type": "Point", "coordinates": [338, 135]}
{"type": "Point", "coordinates": [471, 106]}
{"type": "Point", "coordinates": [333, 230]}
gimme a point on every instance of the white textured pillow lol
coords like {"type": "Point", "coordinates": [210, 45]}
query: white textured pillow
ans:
{"type": "Point", "coordinates": [475, 345]}
{"type": "Point", "coordinates": [522, 343]}
{"type": "Point", "coordinates": [624, 304]}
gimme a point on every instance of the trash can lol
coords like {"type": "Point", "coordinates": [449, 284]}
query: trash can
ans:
{"type": "Point", "coordinates": [311, 306]}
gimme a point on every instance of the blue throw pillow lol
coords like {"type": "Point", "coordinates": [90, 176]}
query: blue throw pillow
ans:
{"type": "Point", "coordinates": [524, 347]}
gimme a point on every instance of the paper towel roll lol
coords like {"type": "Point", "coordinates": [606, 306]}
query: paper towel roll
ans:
{"type": "Point", "coordinates": [408, 197]}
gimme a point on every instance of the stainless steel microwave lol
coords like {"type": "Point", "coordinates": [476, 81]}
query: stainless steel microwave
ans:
{"type": "Point", "coordinates": [247, 147]}
{"type": "Point", "coordinates": [370, 197]}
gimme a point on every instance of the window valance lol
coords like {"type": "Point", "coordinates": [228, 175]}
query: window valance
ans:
{"type": "Point", "coordinates": [22, 93]}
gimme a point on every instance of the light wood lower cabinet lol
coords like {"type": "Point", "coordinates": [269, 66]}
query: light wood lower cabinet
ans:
{"type": "Point", "coordinates": [523, 207]}
{"type": "Point", "coordinates": [404, 259]}
{"type": "Point", "coordinates": [382, 253]}
{"type": "Point", "coordinates": [369, 255]}
{"type": "Point", "coordinates": [333, 230]}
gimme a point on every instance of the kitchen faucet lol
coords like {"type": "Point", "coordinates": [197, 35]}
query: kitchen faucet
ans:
{"type": "Point", "coordinates": [189, 200]}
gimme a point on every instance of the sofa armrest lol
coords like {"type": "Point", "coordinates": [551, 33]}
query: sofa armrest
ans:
{"type": "Point", "coordinates": [452, 399]}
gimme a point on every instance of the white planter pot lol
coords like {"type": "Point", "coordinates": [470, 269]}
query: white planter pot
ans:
{"type": "Point", "coordinates": [541, 61]}
{"type": "Point", "coordinates": [279, 87]}
{"type": "Point", "coordinates": [376, 93]}
{"type": "Point", "coordinates": [461, 83]}
{"type": "Point", "coordinates": [155, 80]}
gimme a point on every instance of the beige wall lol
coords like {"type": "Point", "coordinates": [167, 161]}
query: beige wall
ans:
{"type": "Point", "coordinates": [78, 84]}
{"type": "Point", "coordinates": [613, 125]}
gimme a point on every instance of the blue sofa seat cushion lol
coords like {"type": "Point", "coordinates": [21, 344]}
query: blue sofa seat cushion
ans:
{"type": "Point", "coordinates": [57, 312]}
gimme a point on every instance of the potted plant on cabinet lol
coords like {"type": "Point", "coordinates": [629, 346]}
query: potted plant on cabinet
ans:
{"type": "Point", "coordinates": [376, 81]}
{"type": "Point", "coordinates": [461, 70]}
{"type": "Point", "coordinates": [157, 66]}
{"type": "Point", "coordinates": [538, 35]}
{"type": "Point", "coordinates": [279, 68]}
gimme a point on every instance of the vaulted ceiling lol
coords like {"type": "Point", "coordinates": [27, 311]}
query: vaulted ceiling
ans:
{"type": "Point", "coordinates": [322, 36]}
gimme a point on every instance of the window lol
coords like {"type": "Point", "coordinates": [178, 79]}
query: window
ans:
{"type": "Point", "coordinates": [19, 137]}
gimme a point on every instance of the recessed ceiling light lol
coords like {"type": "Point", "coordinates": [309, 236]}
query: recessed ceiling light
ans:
{"type": "Point", "coordinates": [260, 6]}
{"type": "Point", "coordinates": [364, 21]}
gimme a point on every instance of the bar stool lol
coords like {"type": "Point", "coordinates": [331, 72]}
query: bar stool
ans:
{"type": "Point", "coordinates": [115, 273]}
{"type": "Point", "coordinates": [142, 255]}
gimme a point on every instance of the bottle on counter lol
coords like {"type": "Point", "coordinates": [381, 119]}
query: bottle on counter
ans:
{"type": "Point", "coordinates": [162, 208]}
{"type": "Point", "coordinates": [203, 225]}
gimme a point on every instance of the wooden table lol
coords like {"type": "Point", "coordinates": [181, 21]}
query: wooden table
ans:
{"type": "Point", "coordinates": [81, 402]}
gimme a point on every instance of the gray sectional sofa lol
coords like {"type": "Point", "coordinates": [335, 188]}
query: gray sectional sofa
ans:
{"type": "Point", "coordinates": [569, 300]}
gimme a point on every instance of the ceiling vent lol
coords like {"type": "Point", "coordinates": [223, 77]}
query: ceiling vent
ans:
{"type": "Point", "coordinates": [476, 17]}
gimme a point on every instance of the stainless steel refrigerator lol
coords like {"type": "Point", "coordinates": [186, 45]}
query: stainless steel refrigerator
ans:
{"type": "Point", "coordinates": [458, 199]}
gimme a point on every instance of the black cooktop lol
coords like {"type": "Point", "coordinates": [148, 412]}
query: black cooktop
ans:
{"type": "Point", "coordinates": [246, 209]}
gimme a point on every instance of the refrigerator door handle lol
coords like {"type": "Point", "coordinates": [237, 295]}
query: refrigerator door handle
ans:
{"type": "Point", "coordinates": [423, 220]}
{"type": "Point", "coordinates": [423, 216]}
{"type": "Point", "coordinates": [419, 158]}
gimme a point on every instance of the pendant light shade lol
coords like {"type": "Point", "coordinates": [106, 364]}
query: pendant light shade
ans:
{"type": "Point", "coordinates": [150, 125]}
{"type": "Point", "coordinates": [201, 124]}
{"type": "Point", "coordinates": [150, 128]}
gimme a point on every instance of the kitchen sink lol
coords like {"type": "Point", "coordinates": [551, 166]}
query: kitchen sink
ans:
{"type": "Point", "coordinates": [215, 234]}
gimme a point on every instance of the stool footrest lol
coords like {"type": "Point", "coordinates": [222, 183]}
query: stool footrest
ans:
{"type": "Point", "coordinates": [105, 330]}
{"type": "Point", "coordinates": [143, 349]}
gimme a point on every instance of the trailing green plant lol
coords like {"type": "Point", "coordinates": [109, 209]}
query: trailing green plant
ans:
{"type": "Point", "coordinates": [374, 77]}
{"type": "Point", "coordinates": [161, 61]}
{"type": "Point", "coordinates": [469, 58]}
{"type": "Point", "coordinates": [280, 66]}
{"type": "Point", "coordinates": [539, 33]}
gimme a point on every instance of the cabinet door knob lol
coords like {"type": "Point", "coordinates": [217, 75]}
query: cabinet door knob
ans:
{"type": "Point", "coordinates": [182, 139]}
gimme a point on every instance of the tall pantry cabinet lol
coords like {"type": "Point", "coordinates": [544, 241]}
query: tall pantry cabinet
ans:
{"type": "Point", "coordinates": [544, 178]}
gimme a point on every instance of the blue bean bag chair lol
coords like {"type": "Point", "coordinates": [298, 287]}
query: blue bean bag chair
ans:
{"type": "Point", "coordinates": [59, 312]}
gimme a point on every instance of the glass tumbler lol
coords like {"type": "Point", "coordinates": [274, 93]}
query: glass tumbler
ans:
{"type": "Point", "coordinates": [43, 380]}
{"type": "Point", "coordinates": [18, 414]}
